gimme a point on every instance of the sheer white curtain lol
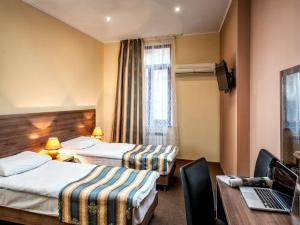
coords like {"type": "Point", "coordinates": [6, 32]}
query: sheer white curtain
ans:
{"type": "Point", "coordinates": [160, 93]}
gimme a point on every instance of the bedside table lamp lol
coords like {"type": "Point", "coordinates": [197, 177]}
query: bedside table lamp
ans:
{"type": "Point", "coordinates": [97, 133]}
{"type": "Point", "coordinates": [52, 146]}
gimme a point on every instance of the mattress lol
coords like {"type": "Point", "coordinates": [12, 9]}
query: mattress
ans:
{"type": "Point", "coordinates": [106, 161]}
{"type": "Point", "coordinates": [37, 190]}
{"type": "Point", "coordinates": [108, 154]}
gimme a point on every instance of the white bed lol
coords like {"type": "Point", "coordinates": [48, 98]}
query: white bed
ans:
{"type": "Point", "coordinates": [37, 190]}
{"type": "Point", "coordinates": [103, 153]}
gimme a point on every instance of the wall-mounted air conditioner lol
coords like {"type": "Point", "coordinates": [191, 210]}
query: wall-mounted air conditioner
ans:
{"type": "Point", "coordinates": [195, 69]}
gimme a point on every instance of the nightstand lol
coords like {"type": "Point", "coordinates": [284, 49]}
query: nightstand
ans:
{"type": "Point", "coordinates": [65, 158]}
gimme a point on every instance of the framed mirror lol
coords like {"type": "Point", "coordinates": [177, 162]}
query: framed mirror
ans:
{"type": "Point", "coordinates": [290, 116]}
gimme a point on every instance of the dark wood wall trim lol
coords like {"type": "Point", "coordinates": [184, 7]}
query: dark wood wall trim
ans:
{"type": "Point", "coordinates": [19, 132]}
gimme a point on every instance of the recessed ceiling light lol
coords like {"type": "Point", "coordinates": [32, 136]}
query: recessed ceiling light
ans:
{"type": "Point", "coordinates": [177, 9]}
{"type": "Point", "coordinates": [108, 19]}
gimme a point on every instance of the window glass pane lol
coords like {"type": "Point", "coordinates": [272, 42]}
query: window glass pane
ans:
{"type": "Point", "coordinates": [160, 94]}
{"type": "Point", "coordinates": [158, 86]}
{"type": "Point", "coordinates": [156, 56]}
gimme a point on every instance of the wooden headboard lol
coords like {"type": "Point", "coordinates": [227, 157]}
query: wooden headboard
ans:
{"type": "Point", "coordinates": [30, 131]}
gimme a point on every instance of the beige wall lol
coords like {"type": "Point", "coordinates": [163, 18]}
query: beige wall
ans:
{"type": "Point", "coordinates": [111, 51]}
{"type": "Point", "coordinates": [275, 46]}
{"type": "Point", "coordinates": [235, 111]}
{"type": "Point", "coordinates": [197, 97]}
{"type": "Point", "coordinates": [201, 48]}
{"type": "Point", "coordinates": [243, 90]}
{"type": "Point", "coordinates": [46, 65]}
{"type": "Point", "coordinates": [228, 102]}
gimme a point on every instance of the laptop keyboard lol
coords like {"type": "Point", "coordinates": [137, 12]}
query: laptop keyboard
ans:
{"type": "Point", "coordinates": [267, 198]}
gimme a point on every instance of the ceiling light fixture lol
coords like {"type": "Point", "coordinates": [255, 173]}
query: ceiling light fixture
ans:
{"type": "Point", "coordinates": [108, 19]}
{"type": "Point", "coordinates": [177, 9]}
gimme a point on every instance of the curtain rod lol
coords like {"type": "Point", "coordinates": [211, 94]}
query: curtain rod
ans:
{"type": "Point", "coordinates": [155, 38]}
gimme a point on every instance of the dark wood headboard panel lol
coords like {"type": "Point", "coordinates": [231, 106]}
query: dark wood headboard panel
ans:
{"type": "Point", "coordinates": [21, 132]}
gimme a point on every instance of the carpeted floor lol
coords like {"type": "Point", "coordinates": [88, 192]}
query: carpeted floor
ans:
{"type": "Point", "coordinates": [170, 209]}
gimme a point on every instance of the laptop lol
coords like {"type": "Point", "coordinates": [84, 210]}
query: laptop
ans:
{"type": "Point", "coordinates": [279, 198]}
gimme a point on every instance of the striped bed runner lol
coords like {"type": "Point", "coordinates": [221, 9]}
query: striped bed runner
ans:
{"type": "Point", "coordinates": [149, 157]}
{"type": "Point", "coordinates": [103, 197]}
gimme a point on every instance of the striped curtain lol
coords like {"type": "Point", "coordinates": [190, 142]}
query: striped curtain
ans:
{"type": "Point", "coordinates": [128, 121]}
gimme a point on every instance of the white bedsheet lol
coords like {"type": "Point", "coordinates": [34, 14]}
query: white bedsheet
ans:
{"type": "Point", "coordinates": [107, 161]}
{"type": "Point", "coordinates": [108, 150]}
{"type": "Point", "coordinates": [48, 179]}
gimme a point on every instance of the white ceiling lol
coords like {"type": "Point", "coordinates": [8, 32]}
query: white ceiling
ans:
{"type": "Point", "coordinates": [136, 18]}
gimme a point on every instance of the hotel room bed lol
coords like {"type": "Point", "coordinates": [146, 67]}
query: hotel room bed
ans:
{"type": "Point", "coordinates": [36, 193]}
{"type": "Point", "coordinates": [91, 151]}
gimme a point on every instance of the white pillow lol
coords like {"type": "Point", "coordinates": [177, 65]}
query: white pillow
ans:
{"type": "Point", "coordinates": [80, 143]}
{"type": "Point", "coordinates": [21, 162]}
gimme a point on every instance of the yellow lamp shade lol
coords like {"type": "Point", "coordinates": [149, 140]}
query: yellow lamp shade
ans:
{"type": "Point", "coordinates": [52, 144]}
{"type": "Point", "coordinates": [97, 133]}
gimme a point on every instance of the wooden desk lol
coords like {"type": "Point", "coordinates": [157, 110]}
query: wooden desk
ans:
{"type": "Point", "coordinates": [232, 208]}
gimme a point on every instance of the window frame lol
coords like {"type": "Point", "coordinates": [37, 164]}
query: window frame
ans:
{"type": "Point", "coordinates": [150, 68]}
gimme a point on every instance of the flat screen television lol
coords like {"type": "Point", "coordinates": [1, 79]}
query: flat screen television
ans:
{"type": "Point", "coordinates": [224, 78]}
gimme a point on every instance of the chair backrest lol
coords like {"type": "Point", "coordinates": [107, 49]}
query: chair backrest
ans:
{"type": "Point", "coordinates": [264, 164]}
{"type": "Point", "coordinates": [198, 194]}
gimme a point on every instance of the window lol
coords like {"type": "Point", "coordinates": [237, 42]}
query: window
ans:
{"type": "Point", "coordinates": [158, 96]}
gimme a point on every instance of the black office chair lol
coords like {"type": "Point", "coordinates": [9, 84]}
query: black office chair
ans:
{"type": "Point", "coordinates": [198, 194]}
{"type": "Point", "coordinates": [265, 163]}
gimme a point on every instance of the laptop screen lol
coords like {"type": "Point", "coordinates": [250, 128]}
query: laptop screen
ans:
{"type": "Point", "coordinates": [284, 181]}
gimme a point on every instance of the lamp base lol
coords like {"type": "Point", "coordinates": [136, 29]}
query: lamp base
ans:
{"type": "Point", "coordinates": [97, 137]}
{"type": "Point", "coordinates": [53, 154]}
